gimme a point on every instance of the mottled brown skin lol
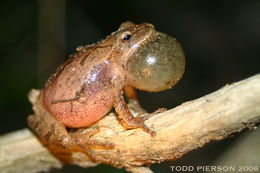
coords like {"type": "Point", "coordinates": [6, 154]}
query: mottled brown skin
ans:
{"type": "Point", "coordinates": [89, 84]}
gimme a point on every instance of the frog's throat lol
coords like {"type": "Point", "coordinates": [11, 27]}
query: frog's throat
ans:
{"type": "Point", "coordinates": [152, 38]}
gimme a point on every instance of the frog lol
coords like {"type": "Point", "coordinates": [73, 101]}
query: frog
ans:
{"type": "Point", "coordinates": [96, 77]}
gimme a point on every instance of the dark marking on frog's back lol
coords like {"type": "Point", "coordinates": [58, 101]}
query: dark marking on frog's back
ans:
{"type": "Point", "coordinates": [85, 57]}
{"type": "Point", "coordinates": [82, 62]}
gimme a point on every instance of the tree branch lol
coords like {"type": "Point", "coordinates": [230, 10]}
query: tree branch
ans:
{"type": "Point", "coordinates": [179, 130]}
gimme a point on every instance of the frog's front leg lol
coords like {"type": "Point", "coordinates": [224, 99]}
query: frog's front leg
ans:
{"type": "Point", "coordinates": [133, 103]}
{"type": "Point", "coordinates": [127, 119]}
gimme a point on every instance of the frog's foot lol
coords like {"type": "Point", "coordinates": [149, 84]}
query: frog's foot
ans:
{"type": "Point", "coordinates": [85, 143]}
{"type": "Point", "coordinates": [147, 116]}
{"type": "Point", "coordinates": [126, 117]}
{"type": "Point", "coordinates": [83, 139]}
{"type": "Point", "coordinates": [139, 121]}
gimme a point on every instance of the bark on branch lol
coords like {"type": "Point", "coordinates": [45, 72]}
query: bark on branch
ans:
{"type": "Point", "coordinates": [179, 130]}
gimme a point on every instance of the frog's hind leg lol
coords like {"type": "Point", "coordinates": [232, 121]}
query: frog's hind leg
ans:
{"type": "Point", "coordinates": [50, 130]}
{"type": "Point", "coordinates": [83, 141]}
{"type": "Point", "coordinates": [55, 133]}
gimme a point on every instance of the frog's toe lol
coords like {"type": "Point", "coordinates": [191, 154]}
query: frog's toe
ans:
{"type": "Point", "coordinates": [147, 116]}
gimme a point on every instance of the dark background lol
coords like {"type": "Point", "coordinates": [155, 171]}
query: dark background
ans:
{"type": "Point", "coordinates": [221, 40]}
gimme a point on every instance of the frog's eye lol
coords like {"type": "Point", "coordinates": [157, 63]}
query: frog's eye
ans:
{"type": "Point", "coordinates": [125, 37]}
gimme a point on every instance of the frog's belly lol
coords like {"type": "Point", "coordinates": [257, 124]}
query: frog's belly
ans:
{"type": "Point", "coordinates": [82, 113]}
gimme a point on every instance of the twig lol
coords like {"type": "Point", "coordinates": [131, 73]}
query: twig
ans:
{"type": "Point", "coordinates": [179, 130]}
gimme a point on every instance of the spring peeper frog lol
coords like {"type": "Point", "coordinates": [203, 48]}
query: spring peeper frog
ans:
{"type": "Point", "coordinates": [92, 81]}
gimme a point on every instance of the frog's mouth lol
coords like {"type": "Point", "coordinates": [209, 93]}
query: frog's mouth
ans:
{"type": "Point", "coordinates": [158, 64]}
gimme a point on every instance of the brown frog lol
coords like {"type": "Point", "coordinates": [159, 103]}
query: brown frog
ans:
{"type": "Point", "coordinates": [91, 82]}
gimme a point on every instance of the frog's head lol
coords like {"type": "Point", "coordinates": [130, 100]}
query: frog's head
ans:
{"type": "Point", "coordinates": [157, 62]}
{"type": "Point", "coordinates": [153, 61]}
{"type": "Point", "coordinates": [130, 37]}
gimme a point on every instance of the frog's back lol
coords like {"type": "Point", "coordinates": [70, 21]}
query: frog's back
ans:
{"type": "Point", "coordinates": [79, 93]}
